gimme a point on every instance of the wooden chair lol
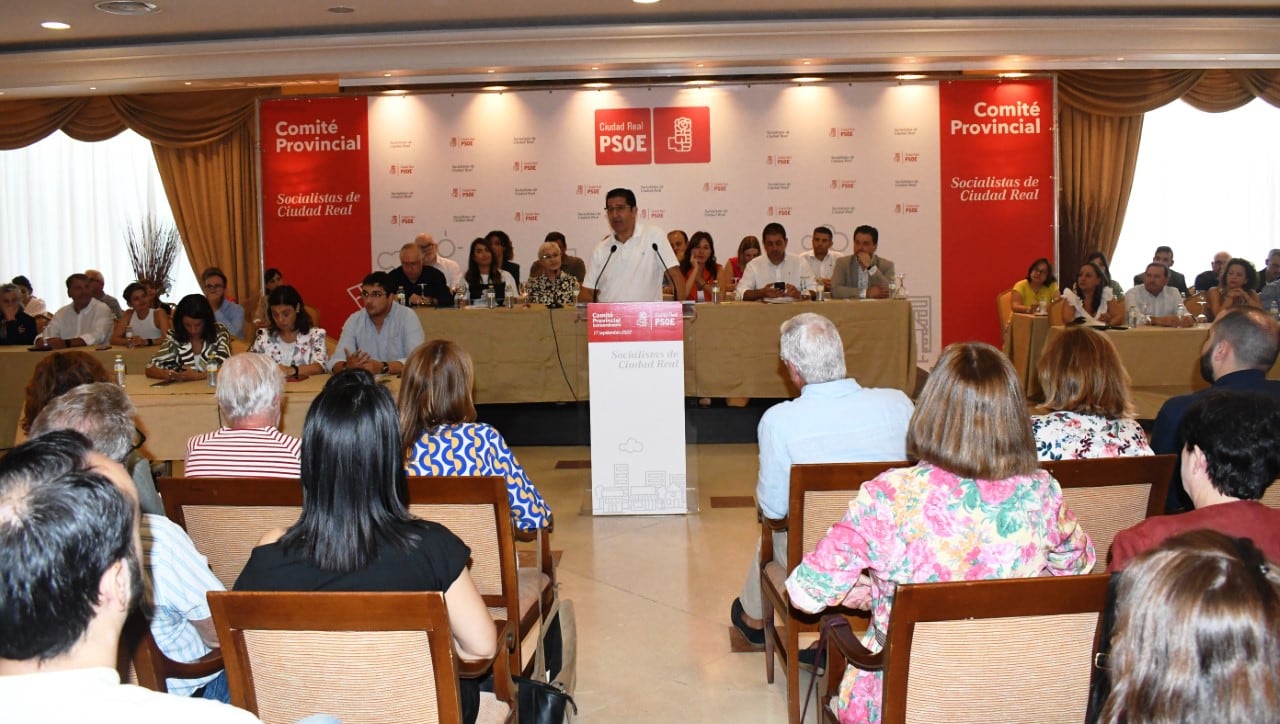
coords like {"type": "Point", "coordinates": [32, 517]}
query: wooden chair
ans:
{"type": "Point", "coordinates": [478, 511]}
{"type": "Point", "coordinates": [361, 657]}
{"type": "Point", "coordinates": [226, 517]}
{"type": "Point", "coordinates": [1271, 496]}
{"type": "Point", "coordinates": [983, 651]}
{"type": "Point", "coordinates": [819, 497]}
{"type": "Point", "coordinates": [143, 663]}
{"type": "Point", "coordinates": [1197, 304]}
{"type": "Point", "coordinates": [1109, 495]}
{"type": "Point", "coordinates": [1004, 305]}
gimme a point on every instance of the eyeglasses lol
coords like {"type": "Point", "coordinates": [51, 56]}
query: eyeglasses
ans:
{"type": "Point", "coordinates": [616, 209]}
{"type": "Point", "coordinates": [372, 295]}
{"type": "Point", "coordinates": [139, 439]}
{"type": "Point", "coordinates": [548, 256]}
{"type": "Point", "coordinates": [214, 287]}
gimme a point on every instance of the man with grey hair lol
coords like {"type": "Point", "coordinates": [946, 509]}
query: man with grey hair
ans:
{"type": "Point", "coordinates": [424, 286]}
{"type": "Point", "coordinates": [426, 243]}
{"type": "Point", "coordinates": [102, 412]}
{"type": "Point", "coordinates": [834, 420]}
{"type": "Point", "coordinates": [97, 283]}
{"type": "Point", "coordinates": [250, 392]}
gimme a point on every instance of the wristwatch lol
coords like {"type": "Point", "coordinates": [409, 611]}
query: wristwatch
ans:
{"type": "Point", "coordinates": [386, 367]}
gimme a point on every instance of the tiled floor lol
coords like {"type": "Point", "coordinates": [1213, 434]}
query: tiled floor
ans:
{"type": "Point", "coordinates": [652, 596]}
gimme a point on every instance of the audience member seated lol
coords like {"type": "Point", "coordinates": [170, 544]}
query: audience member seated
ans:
{"type": "Point", "coordinates": [227, 312]}
{"type": "Point", "coordinates": [140, 325]}
{"type": "Point", "coordinates": [549, 283]}
{"type": "Point", "coordinates": [31, 304]}
{"type": "Point", "coordinates": [290, 339]}
{"type": "Point", "coordinates": [379, 337]}
{"type": "Point", "coordinates": [1088, 405]}
{"type": "Point", "coordinates": [1229, 457]}
{"type": "Point", "coordinates": [98, 283]}
{"type": "Point", "coordinates": [195, 343]}
{"type": "Point", "coordinates": [355, 533]}
{"type": "Point", "coordinates": [1270, 271]}
{"type": "Point", "coordinates": [731, 272]}
{"type": "Point", "coordinates": [56, 374]}
{"type": "Point", "coordinates": [699, 267]}
{"type": "Point", "coordinates": [1088, 301]}
{"type": "Point", "coordinates": [68, 540]}
{"type": "Point", "coordinates": [816, 427]}
{"type": "Point", "coordinates": [1197, 635]}
{"type": "Point", "coordinates": [976, 506]}
{"type": "Point", "coordinates": [1209, 279]}
{"type": "Point", "coordinates": [426, 243]}
{"type": "Point", "coordinates": [102, 412]}
{"type": "Point", "coordinates": [271, 278]}
{"type": "Point", "coordinates": [1038, 290]}
{"type": "Point", "coordinates": [250, 390]}
{"type": "Point", "coordinates": [16, 326]}
{"type": "Point", "coordinates": [503, 254]}
{"type": "Point", "coordinates": [777, 273]}
{"type": "Point", "coordinates": [1097, 257]}
{"type": "Point", "coordinates": [1158, 304]}
{"type": "Point", "coordinates": [864, 274]}
{"type": "Point", "coordinates": [1242, 346]}
{"type": "Point", "coordinates": [575, 266]}
{"type": "Point", "coordinates": [85, 322]}
{"type": "Point", "coordinates": [178, 576]}
{"type": "Point", "coordinates": [423, 286]}
{"type": "Point", "coordinates": [439, 434]}
{"type": "Point", "coordinates": [1164, 256]}
{"type": "Point", "coordinates": [1235, 288]}
{"type": "Point", "coordinates": [481, 266]}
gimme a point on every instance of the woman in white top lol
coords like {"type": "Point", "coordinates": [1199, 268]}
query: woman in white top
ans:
{"type": "Point", "coordinates": [1089, 300]}
{"type": "Point", "coordinates": [482, 272]}
{"type": "Point", "coordinates": [290, 339]}
{"type": "Point", "coordinates": [145, 326]}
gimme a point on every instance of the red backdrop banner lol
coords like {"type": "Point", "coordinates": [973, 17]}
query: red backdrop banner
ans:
{"type": "Point", "coordinates": [996, 143]}
{"type": "Point", "coordinates": [315, 198]}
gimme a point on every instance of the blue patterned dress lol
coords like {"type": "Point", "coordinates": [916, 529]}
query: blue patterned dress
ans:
{"type": "Point", "coordinates": [473, 448]}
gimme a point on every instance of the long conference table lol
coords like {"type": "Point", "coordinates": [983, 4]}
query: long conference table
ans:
{"type": "Point", "coordinates": [532, 355]}
{"type": "Point", "coordinates": [1162, 362]}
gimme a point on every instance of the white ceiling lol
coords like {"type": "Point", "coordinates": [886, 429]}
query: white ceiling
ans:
{"type": "Point", "coordinates": [200, 44]}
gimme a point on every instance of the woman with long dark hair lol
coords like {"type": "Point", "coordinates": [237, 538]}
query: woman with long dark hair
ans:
{"type": "Point", "coordinates": [483, 270]}
{"type": "Point", "coordinates": [355, 533]}
{"type": "Point", "coordinates": [1089, 300]}
{"type": "Point", "coordinates": [699, 267]}
{"type": "Point", "coordinates": [196, 342]}
{"type": "Point", "coordinates": [503, 253]}
{"type": "Point", "coordinates": [290, 339]}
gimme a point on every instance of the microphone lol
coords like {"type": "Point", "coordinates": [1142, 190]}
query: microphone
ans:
{"type": "Point", "coordinates": [663, 265]}
{"type": "Point", "coordinates": [595, 288]}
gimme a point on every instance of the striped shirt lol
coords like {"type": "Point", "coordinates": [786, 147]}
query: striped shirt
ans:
{"type": "Point", "coordinates": [262, 452]}
{"type": "Point", "coordinates": [176, 582]}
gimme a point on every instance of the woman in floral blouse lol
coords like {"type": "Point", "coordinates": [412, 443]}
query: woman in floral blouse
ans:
{"type": "Point", "coordinates": [976, 506]}
{"type": "Point", "coordinates": [551, 284]}
{"type": "Point", "coordinates": [195, 342]}
{"type": "Point", "coordinates": [291, 340]}
{"type": "Point", "coordinates": [1088, 405]}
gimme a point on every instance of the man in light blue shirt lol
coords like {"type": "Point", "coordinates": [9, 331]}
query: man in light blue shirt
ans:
{"type": "Point", "coordinates": [834, 420]}
{"type": "Point", "coordinates": [379, 337]}
{"type": "Point", "coordinates": [230, 314]}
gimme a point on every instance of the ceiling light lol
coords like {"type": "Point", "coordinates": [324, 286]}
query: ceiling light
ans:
{"type": "Point", "coordinates": [395, 92]}
{"type": "Point", "coordinates": [93, 87]}
{"type": "Point", "coordinates": [806, 79]}
{"type": "Point", "coordinates": [595, 67]}
{"type": "Point", "coordinates": [1120, 58]}
{"type": "Point", "coordinates": [491, 70]}
{"type": "Point", "coordinates": [910, 76]}
{"type": "Point", "coordinates": [596, 85]}
{"type": "Point", "coordinates": [699, 82]}
{"type": "Point", "coordinates": [807, 62]}
{"type": "Point", "coordinates": [341, 10]}
{"type": "Point", "coordinates": [1014, 74]}
{"type": "Point", "coordinates": [386, 75]}
{"type": "Point", "coordinates": [644, 2]}
{"type": "Point", "coordinates": [187, 82]}
{"type": "Point", "coordinates": [700, 65]}
{"type": "Point", "coordinates": [126, 7]}
{"type": "Point", "coordinates": [494, 88]}
{"type": "Point", "coordinates": [54, 25]}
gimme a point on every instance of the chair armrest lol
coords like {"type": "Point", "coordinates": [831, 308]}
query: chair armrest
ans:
{"type": "Point", "coordinates": [768, 526]}
{"type": "Point", "coordinates": [210, 663]}
{"type": "Point", "coordinates": [843, 646]}
{"type": "Point", "coordinates": [480, 668]}
{"type": "Point", "coordinates": [503, 687]}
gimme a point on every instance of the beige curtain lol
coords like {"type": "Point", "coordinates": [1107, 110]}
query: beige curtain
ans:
{"type": "Point", "coordinates": [204, 148]}
{"type": "Point", "coordinates": [1100, 124]}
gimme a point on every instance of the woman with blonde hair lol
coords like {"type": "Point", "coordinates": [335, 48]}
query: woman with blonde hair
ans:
{"type": "Point", "coordinates": [1197, 635]}
{"type": "Point", "coordinates": [440, 435]}
{"type": "Point", "coordinates": [975, 506]}
{"type": "Point", "coordinates": [549, 283]}
{"type": "Point", "coordinates": [1088, 405]}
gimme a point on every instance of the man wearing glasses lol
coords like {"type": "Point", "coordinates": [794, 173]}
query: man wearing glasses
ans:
{"type": "Point", "coordinates": [379, 337]}
{"type": "Point", "coordinates": [230, 314]}
{"type": "Point", "coordinates": [630, 263]}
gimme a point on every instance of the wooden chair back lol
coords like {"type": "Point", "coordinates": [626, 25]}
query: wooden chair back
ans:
{"type": "Point", "coordinates": [1109, 495]}
{"type": "Point", "coordinates": [226, 517]}
{"type": "Point", "coordinates": [1004, 307]}
{"type": "Point", "coordinates": [1197, 303]}
{"type": "Point", "coordinates": [994, 650]}
{"type": "Point", "coordinates": [1271, 496]}
{"type": "Point", "coordinates": [360, 657]}
{"type": "Point", "coordinates": [141, 661]}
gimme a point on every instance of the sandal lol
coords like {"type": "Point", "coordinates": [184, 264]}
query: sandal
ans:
{"type": "Point", "coordinates": [754, 636]}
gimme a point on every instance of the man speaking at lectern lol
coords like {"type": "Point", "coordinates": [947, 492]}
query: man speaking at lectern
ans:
{"type": "Point", "coordinates": [628, 265]}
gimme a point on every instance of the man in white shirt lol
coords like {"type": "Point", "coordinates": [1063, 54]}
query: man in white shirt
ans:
{"type": "Point", "coordinates": [630, 263]}
{"type": "Point", "coordinates": [85, 322]}
{"type": "Point", "coordinates": [863, 274]}
{"type": "Point", "coordinates": [431, 257]}
{"type": "Point", "coordinates": [69, 546]}
{"type": "Point", "coordinates": [1156, 299]}
{"type": "Point", "coordinates": [776, 273]}
{"type": "Point", "coordinates": [822, 261]}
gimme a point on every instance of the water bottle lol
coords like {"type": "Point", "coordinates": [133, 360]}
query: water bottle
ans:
{"type": "Point", "coordinates": [460, 297]}
{"type": "Point", "coordinates": [490, 298]}
{"type": "Point", "coordinates": [1133, 317]}
{"type": "Point", "coordinates": [212, 369]}
{"type": "Point", "coordinates": [118, 366]}
{"type": "Point", "coordinates": [715, 293]}
{"type": "Point", "coordinates": [128, 336]}
{"type": "Point", "coordinates": [400, 295]}
{"type": "Point", "coordinates": [1182, 313]}
{"type": "Point", "coordinates": [1275, 310]}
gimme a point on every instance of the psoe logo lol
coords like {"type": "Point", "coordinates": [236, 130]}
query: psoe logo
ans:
{"type": "Point", "coordinates": [460, 193]}
{"type": "Point", "coordinates": [527, 216]}
{"type": "Point", "coordinates": [682, 134]}
{"type": "Point", "coordinates": [408, 220]}
{"type": "Point", "coordinates": [906, 208]}
{"type": "Point", "coordinates": [906, 157]}
{"type": "Point", "coordinates": [779, 211]}
{"type": "Point", "coordinates": [588, 190]}
{"type": "Point", "coordinates": [528, 165]}
{"type": "Point", "coordinates": [393, 170]}
{"type": "Point", "coordinates": [405, 170]}
{"type": "Point", "coordinates": [715, 187]}
{"type": "Point", "coordinates": [657, 213]}
{"type": "Point", "coordinates": [461, 141]}
{"type": "Point", "coordinates": [843, 184]}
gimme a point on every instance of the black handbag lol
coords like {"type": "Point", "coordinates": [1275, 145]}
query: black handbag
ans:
{"type": "Point", "coordinates": [540, 702]}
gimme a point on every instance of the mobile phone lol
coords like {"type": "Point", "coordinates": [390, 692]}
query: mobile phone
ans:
{"type": "Point", "coordinates": [780, 286]}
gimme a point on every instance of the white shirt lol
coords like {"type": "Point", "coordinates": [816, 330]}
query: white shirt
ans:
{"type": "Point", "coordinates": [452, 272]}
{"type": "Point", "coordinates": [92, 324]}
{"type": "Point", "coordinates": [1163, 305]}
{"type": "Point", "coordinates": [96, 695]}
{"type": "Point", "coordinates": [823, 269]}
{"type": "Point", "coordinates": [761, 272]}
{"type": "Point", "coordinates": [636, 271]}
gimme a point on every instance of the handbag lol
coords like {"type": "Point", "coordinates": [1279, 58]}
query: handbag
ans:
{"type": "Point", "coordinates": [820, 659]}
{"type": "Point", "coordinates": [541, 702]}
